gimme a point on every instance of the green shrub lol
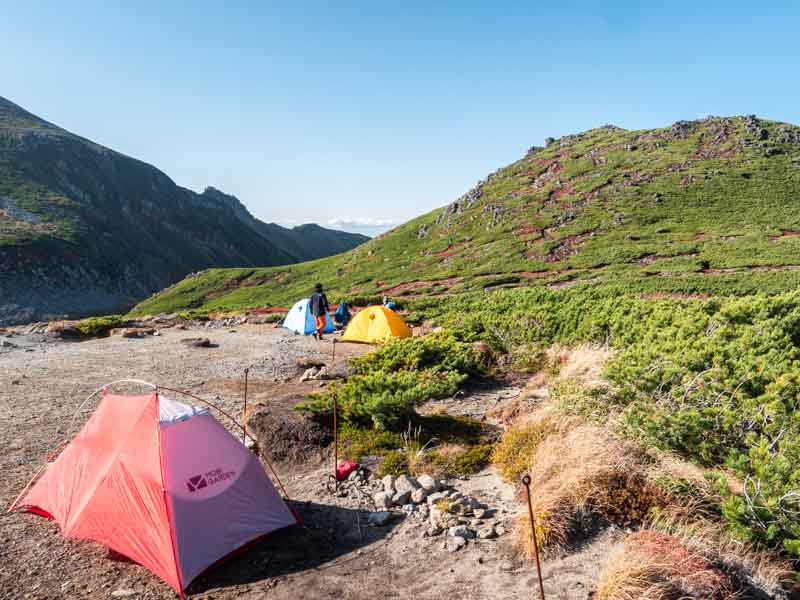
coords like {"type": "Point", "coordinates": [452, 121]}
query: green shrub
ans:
{"type": "Point", "coordinates": [474, 459]}
{"type": "Point", "coordinates": [390, 382]}
{"type": "Point", "coordinates": [386, 400]}
{"type": "Point", "coordinates": [99, 326]}
{"type": "Point", "coordinates": [437, 350]}
{"type": "Point", "coordinates": [393, 463]}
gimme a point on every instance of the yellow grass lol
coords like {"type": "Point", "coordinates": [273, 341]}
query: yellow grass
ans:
{"type": "Point", "coordinates": [581, 469]}
{"type": "Point", "coordinates": [654, 565]}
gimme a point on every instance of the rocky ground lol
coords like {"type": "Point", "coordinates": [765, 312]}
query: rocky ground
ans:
{"type": "Point", "coordinates": [352, 544]}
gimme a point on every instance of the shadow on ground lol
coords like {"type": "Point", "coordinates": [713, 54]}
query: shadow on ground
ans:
{"type": "Point", "coordinates": [328, 532]}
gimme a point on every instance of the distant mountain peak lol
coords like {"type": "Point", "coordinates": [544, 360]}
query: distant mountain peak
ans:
{"type": "Point", "coordinates": [84, 229]}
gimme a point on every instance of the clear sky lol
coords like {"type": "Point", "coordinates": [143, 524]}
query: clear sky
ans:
{"type": "Point", "coordinates": [382, 111]}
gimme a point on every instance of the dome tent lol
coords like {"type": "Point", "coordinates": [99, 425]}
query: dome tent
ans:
{"type": "Point", "coordinates": [300, 320]}
{"type": "Point", "coordinates": [160, 482]}
{"type": "Point", "coordinates": [374, 325]}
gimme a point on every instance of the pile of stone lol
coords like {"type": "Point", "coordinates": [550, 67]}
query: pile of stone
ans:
{"type": "Point", "coordinates": [445, 509]}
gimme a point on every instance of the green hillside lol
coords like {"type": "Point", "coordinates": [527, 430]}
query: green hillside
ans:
{"type": "Point", "coordinates": [708, 206]}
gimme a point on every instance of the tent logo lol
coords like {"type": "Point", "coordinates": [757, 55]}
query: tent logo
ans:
{"type": "Point", "coordinates": [198, 482]}
{"type": "Point", "coordinates": [195, 483]}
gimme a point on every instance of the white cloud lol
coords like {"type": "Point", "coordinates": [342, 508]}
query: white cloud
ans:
{"type": "Point", "coordinates": [361, 222]}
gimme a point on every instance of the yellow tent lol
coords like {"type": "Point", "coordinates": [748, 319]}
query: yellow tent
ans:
{"type": "Point", "coordinates": [375, 324]}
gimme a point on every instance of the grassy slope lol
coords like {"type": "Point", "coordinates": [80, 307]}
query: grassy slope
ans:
{"type": "Point", "coordinates": [696, 208]}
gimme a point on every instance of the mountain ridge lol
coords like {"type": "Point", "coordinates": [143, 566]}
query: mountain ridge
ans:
{"type": "Point", "coordinates": [85, 229]}
{"type": "Point", "coordinates": [700, 206]}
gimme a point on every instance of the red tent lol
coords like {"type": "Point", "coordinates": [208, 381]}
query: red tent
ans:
{"type": "Point", "coordinates": [162, 483]}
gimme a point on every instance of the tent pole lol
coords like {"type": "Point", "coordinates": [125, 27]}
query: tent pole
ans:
{"type": "Point", "coordinates": [35, 475]}
{"type": "Point", "coordinates": [526, 481]}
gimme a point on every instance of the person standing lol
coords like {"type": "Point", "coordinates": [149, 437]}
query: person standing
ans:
{"type": "Point", "coordinates": [318, 305]}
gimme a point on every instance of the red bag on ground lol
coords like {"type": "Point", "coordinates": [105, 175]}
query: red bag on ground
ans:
{"type": "Point", "coordinates": [343, 470]}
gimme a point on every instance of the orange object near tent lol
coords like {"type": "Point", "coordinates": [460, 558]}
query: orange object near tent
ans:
{"type": "Point", "coordinates": [374, 325]}
{"type": "Point", "coordinates": [161, 482]}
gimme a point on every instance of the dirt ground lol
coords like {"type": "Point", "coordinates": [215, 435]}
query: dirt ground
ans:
{"type": "Point", "coordinates": [334, 555]}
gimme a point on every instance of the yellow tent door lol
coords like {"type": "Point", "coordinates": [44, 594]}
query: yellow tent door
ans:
{"type": "Point", "coordinates": [375, 324]}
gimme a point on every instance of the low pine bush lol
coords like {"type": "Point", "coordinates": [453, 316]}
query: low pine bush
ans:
{"type": "Point", "coordinates": [392, 381]}
{"type": "Point", "coordinates": [716, 380]}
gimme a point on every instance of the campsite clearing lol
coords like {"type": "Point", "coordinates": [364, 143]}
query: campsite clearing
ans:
{"type": "Point", "coordinates": [42, 383]}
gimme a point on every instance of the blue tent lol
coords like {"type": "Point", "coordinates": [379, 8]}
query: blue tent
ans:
{"type": "Point", "coordinates": [300, 320]}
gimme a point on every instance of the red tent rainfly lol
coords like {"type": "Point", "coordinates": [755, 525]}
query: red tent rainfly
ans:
{"type": "Point", "coordinates": [161, 482]}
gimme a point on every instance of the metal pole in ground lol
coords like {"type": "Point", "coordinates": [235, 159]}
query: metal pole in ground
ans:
{"type": "Point", "coordinates": [244, 410]}
{"type": "Point", "coordinates": [335, 444]}
{"type": "Point", "coordinates": [526, 481]}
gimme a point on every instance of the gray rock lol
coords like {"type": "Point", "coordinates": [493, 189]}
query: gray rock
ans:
{"type": "Point", "coordinates": [433, 531]}
{"type": "Point", "coordinates": [123, 593]}
{"type": "Point", "coordinates": [382, 500]}
{"type": "Point", "coordinates": [401, 498]}
{"type": "Point", "coordinates": [380, 518]}
{"type": "Point", "coordinates": [499, 529]}
{"type": "Point", "coordinates": [418, 495]}
{"type": "Point", "coordinates": [388, 484]}
{"type": "Point", "coordinates": [434, 498]}
{"type": "Point", "coordinates": [461, 531]}
{"type": "Point", "coordinates": [409, 508]}
{"type": "Point", "coordinates": [404, 483]}
{"type": "Point", "coordinates": [487, 533]}
{"type": "Point", "coordinates": [479, 513]}
{"type": "Point", "coordinates": [455, 544]}
{"type": "Point", "coordinates": [428, 483]}
{"type": "Point", "coordinates": [506, 566]}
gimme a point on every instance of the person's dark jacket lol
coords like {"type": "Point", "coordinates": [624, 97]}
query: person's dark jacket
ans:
{"type": "Point", "coordinates": [318, 304]}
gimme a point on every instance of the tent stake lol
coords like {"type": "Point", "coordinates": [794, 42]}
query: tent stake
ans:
{"type": "Point", "coordinates": [335, 445]}
{"type": "Point", "coordinates": [526, 481]}
{"type": "Point", "coordinates": [244, 410]}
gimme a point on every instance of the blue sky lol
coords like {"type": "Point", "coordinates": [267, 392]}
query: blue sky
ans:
{"type": "Point", "coordinates": [346, 111]}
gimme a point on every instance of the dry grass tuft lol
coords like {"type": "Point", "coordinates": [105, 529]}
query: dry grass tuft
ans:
{"type": "Point", "coordinates": [584, 363]}
{"type": "Point", "coordinates": [657, 566]}
{"type": "Point", "coordinates": [579, 470]}
{"type": "Point", "coordinates": [763, 570]}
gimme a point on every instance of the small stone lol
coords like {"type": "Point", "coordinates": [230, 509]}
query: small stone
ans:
{"type": "Point", "coordinates": [123, 593]}
{"type": "Point", "coordinates": [428, 483]}
{"type": "Point", "coordinates": [506, 566]}
{"type": "Point", "coordinates": [479, 513]}
{"type": "Point", "coordinates": [434, 498]}
{"type": "Point", "coordinates": [388, 484]}
{"type": "Point", "coordinates": [380, 518]}
{"type": "Point", "coordinates": [418, 495]}
{"type": "Point", "coordinates": [461, 531]}
{"type": "Point", "coordinates": [433, 531]}
{"type": "Point", "coordinates": [405, 483]}
{"type": "Point", "coordinates": [487, 533]}
{"type": "Point", "coordinates": [499, 529]}
{"type": "Point", "coordinates": [455, 544]}
{"type": "Point", "coordinates": [408, 508]}
{"type": "Point", "coordinates": [401, 498]}
{"type": "Point", "coordinates": [382, 500]}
